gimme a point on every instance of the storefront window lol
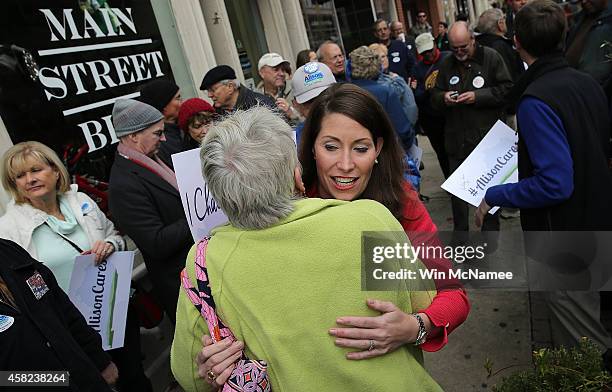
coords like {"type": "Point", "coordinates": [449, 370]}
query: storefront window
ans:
{"type": "Point", "coordinates": [249, 36]}
{"type": "Point", "coordinates": [321, 22]}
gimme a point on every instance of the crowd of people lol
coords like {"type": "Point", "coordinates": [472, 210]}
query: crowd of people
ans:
{"type": "Point", "coordinates": [302, 166]}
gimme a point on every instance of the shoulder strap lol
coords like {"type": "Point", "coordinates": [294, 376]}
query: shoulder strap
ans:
{"type": "Point", "coordinates": [74, 245]}
{"type": "Point", "coordinates": [201, 296]}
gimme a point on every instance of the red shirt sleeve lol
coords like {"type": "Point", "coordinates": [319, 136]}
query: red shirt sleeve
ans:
{"type": "Point", "coordinates": [450, 306]}
{"type": "Point", "coordinates": [447, 311]}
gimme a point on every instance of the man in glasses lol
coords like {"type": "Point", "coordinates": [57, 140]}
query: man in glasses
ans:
{"type": "Point", "coordinates": [421, 26]}
{"type": "Point", "coordinates": [469, 90]}
{"type": "Point", "coordinates": [228, 95]}
{"type": "Point", "coordinates": [401, 60]}
{"type": "Point", "coordinates": [145, 201]}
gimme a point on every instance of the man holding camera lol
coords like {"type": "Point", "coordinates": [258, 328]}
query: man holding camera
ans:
{"type": "Point", "coordinates": [469, 90]}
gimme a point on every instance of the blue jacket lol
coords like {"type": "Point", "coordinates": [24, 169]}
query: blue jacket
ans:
{"type": "Point", "coordinates": [401, 60]}
{"type": "Point", "coordinates": [390, 101]}
{"type": "Point", "coordinates": [405, 95]}
{"type": "Point", "coordinates": [425, 75]}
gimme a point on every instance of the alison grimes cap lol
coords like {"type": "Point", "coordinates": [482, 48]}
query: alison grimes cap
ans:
{"type": "Point", "coordinates": [310, 80]}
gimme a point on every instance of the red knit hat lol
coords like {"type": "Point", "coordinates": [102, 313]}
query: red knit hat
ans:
{"type": "Point", "coordinates": [191, 107]}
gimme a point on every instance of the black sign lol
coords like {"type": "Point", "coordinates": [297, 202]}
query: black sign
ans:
{"type": "Point", "coordinates": [88, 53]}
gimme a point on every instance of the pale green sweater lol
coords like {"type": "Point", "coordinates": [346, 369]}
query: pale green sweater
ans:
{"type": "Point", "coordinates": [282, 288]}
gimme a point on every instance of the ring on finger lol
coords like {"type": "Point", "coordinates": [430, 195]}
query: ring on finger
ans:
{"type": "Point", "coordinates": [371, 345]}
{"type": "Point", "coordinates": [211, 375]}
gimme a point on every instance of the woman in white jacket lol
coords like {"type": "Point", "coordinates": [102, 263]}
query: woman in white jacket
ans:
{"type": "Point", "coordinates": [54, 223]}
{"type": "Point", "coordinates": [47, 216]}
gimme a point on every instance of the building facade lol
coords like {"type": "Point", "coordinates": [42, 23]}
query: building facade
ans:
{"type": "Point", "coordinates": [86, 54]}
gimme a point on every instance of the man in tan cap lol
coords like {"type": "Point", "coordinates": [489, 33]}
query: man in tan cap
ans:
{"type": "Point", "coordinates": [424, 77]}
{"type": "Point", "coordinates": [273, 70]}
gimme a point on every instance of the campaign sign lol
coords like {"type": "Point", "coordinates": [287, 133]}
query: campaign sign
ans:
{"type": "Point", "coordinates": [493, 162]}
{"type": "Point", "coordinates": [102, 292]}
{"type": "Point", "coordinates": [80, 57]}
{"type": "Point", "coordinates": [202, 211]}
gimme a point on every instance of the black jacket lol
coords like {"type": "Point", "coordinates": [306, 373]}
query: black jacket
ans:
{"type": "Point", "coordinates": [248, 98]}
{"type": "Point", "coordinates": [466, 125]}
{"type": "Point", "coordinates": [48, 333]}
{"type": "Point", "coordinates": [504, 47]}
{"type": "Point", "coordinates": [149, 210]}
{"type": "Point", "coordinates": [173, 144]}
{"type": "Point", "coordinates": [581, 105]}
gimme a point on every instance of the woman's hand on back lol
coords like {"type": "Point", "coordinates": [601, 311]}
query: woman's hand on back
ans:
{"type": "Point", "coordinates": [377, 335]}
{"type": "Point", "coordinates": [216, 361]}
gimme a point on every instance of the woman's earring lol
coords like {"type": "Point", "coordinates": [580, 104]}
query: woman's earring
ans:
{"type": "Point", "coordinates": [376, 160]}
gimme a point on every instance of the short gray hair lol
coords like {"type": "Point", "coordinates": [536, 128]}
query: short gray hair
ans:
{"type": "Point", "coordinates": [320, 49]}
{"type": "Point", "coordinates": [236, 82]}
{"type": "Point", "coordinates": [487, 23]}
{"type": "Point", "coordinates": [248, 161]}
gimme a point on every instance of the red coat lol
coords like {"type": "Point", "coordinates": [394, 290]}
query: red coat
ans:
{"type": "Point", "coordinates": [450, 306]}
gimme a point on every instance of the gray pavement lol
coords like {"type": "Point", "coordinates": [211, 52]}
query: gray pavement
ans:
{"type": "Point", "coordinates": [498, 329]}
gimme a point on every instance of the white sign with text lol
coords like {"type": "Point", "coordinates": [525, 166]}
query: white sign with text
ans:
{"type": "Point", "coordinates": [102, 292]}
{"type": "Point", "coordinates": [493, 162]}
{"type": "Point", "coordinates": [202, 212]}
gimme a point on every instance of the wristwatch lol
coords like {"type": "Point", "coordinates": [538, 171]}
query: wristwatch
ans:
{"type": "Point", "coordinates": [422, 333]}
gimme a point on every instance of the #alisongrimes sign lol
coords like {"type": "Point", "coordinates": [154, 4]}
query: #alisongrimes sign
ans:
{"type": "Point", "coordinates": [102, 293]}
{"type": "Point", "coordinates": [89, 53]}
{"type": "Point", "coordinates": [493, 162]}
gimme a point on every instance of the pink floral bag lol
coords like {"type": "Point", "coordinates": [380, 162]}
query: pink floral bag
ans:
{"type": "Point", "coordinates": [249, 375]}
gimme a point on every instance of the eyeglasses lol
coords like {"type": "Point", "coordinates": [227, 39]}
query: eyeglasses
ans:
{"type": "Point", "coordinates": [213, 89]}
{"type": "Point", "coordinates": [422, 16]}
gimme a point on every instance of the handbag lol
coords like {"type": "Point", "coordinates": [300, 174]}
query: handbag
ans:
{"type": "Point", "coordinates": [248, 375]}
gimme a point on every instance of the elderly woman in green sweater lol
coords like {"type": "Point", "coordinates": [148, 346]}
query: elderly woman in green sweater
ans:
{"type": "Point", "coordinates": [273, 270]}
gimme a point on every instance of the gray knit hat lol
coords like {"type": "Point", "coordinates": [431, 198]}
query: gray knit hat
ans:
{"type": "Point", "coordinates": [131, 116]}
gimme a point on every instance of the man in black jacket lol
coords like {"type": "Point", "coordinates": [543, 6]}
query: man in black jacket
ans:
{"type": "Point", "coordinates": [145, 201]}
{"type": "Point", "coordinates": [492, 29]}
{"type": "Point", "coordinates": [224, 88]}
{"type": "Point", "coordinates": [165, 96]}
{"type": "Point", "coordinates": [469, 90]}
{"type": "Point", "coordinates": [42, 330]}
{"type": "Point", "coordinates": [564, 182]}
{"type": "Point", "coordinates": [401, 60]}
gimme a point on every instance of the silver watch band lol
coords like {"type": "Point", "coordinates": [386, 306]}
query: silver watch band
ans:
{"type": "Point", "coordinates": [422, 333]}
